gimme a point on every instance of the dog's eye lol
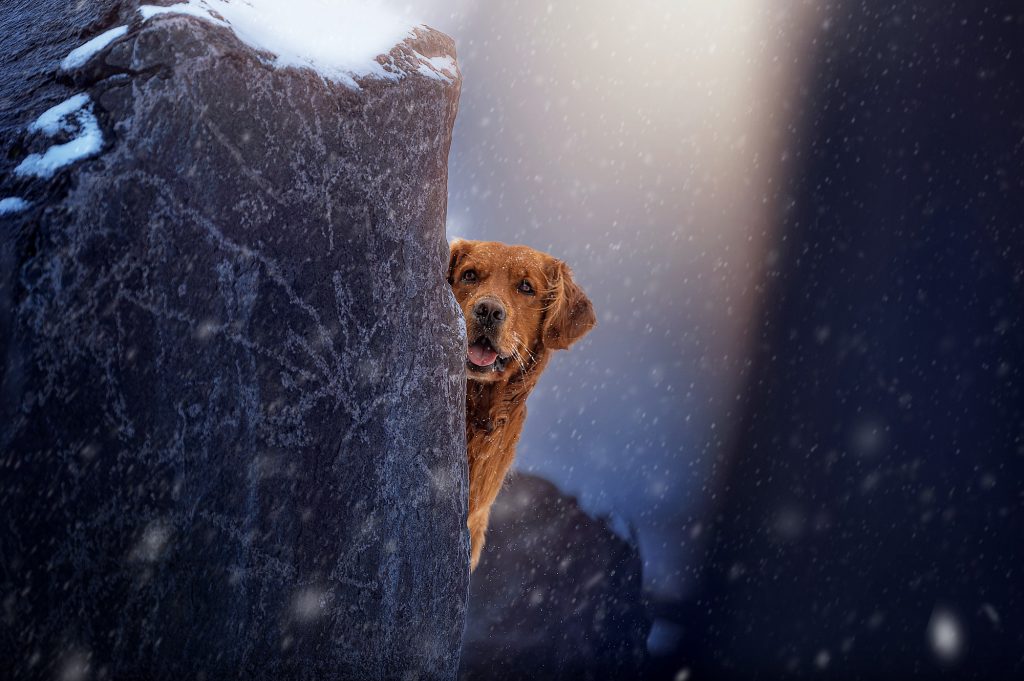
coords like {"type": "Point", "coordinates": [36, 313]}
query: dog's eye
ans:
{"type": "Point", "coordinates": [524, 287]}
{"type": "Point", "coordinates": [469, 275]}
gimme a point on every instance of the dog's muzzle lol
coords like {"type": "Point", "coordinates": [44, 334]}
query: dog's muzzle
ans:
{"type": "Point", "coordinates": [483, 357]}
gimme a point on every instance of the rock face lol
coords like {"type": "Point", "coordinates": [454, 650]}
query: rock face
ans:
{"type": "Point", "coordinates": [556, 595]}
{"type": "Point", "coordinates": [232, 429]}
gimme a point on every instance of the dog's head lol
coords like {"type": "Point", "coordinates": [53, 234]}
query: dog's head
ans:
{"type": "Point", "coordinates": [518, 303]}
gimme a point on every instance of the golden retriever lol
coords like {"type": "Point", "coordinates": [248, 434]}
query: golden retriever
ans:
{"type": "Point", "coordinates": [520, 304]}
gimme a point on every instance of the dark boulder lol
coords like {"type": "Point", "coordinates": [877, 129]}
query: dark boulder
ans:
{"type": "Point", "coordinates": [232, 406]}
{"type": "Point", "coordinates": [557, 593]}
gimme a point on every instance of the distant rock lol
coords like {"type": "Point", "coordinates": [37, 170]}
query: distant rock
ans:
{"type": "Point", "coordinates": [557, 593]}
{"type": "Point", "coordinates": [232, 402]}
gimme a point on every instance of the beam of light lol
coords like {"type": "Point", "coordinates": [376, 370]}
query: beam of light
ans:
{"type": "Point", "coordinates": [641, 142]}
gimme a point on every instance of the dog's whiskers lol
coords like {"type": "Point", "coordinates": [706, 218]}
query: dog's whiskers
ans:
{"type": "Point", "coordinates": [533, 357]}
{"type": "Point", "coordinates": [516, 354]}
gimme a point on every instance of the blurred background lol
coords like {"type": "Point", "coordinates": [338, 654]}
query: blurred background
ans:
{"type": "Point", "coordinates": [640, 143]}
{"type": "Point", "coordinates": [794, 444]}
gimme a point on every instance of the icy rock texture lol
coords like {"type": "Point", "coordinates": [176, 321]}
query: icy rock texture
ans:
{"type": "Point", "coordinates": [557, 593]}
{"type": "Point", "coordinates": [232, 428]}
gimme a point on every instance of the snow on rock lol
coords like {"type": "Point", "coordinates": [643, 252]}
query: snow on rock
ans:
{"type": "Point", "coordinates": [13, 204]}
{"type": "Point", "coordinates": [338, 39]}
{"type": "Point", "coordinates": [80, 55]}
{"type": "Point", "coordinates": [192, 8]}
{"type": "Point", "coordinates": [56, 118]}
{"type": "Point", "coordinates": [443, 68]}
{"type": "Point", "coordinates": [74, 112]}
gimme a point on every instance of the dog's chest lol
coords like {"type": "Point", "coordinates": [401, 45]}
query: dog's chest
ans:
{"type": "Point", "coordinates": [493, 422]}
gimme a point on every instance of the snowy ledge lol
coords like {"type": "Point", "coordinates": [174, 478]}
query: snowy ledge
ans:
{"type": "Point", "coordinates": [13, 204]}
{"type": "Point", "coordinates": [73, 116]}
{"type": "Point", "coordinates": [80, 55]}
{"type": "Point", "coordinates": [339, 39]}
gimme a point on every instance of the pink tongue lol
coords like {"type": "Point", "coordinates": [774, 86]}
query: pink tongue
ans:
{"type": "Point", "coordinates": [481, 356]}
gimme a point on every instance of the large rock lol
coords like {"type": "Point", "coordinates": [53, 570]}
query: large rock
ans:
{"type": "Point", "coordinates": [232, 420]}
{"type": "Point", "coordinates": [557, 593]}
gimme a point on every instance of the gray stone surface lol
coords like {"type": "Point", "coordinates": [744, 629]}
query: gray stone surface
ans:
{"type": "Point", "coordinates": [557, 594]}
{"type": "Point", "coordinates": [231, 417]}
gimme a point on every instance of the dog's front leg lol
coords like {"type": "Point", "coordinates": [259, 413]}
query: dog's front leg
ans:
{"type": "Point", "coordinates": [487, 471]}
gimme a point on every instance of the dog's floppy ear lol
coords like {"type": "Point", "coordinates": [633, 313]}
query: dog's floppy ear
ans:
{"type": "Point", "coordinates": [457, 250]}
{"type": "Point", "coordinates": [570, 315]}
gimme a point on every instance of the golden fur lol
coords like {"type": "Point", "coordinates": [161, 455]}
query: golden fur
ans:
{"type": "Point", "coordinates": [542, 310]}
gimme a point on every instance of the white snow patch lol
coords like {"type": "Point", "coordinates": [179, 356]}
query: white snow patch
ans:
{"type": "Point", "coordinates": [339, 39]}
{"type": "Point", "coordinates": [89, 141]}
{"type": "Point", "coordinates": [80, 55]}
{"type": "Point", "coordinates": [54, 119]}
{"type": "Point", "coordinates": [13, 204]}
{"type": "Point", "coordinates": [439, 68]}
{"type": "Point", "coordinates": [191, 8]}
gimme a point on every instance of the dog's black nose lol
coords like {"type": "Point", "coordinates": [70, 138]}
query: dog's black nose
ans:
{"type": "Point", "coordinates": [489, 312]}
